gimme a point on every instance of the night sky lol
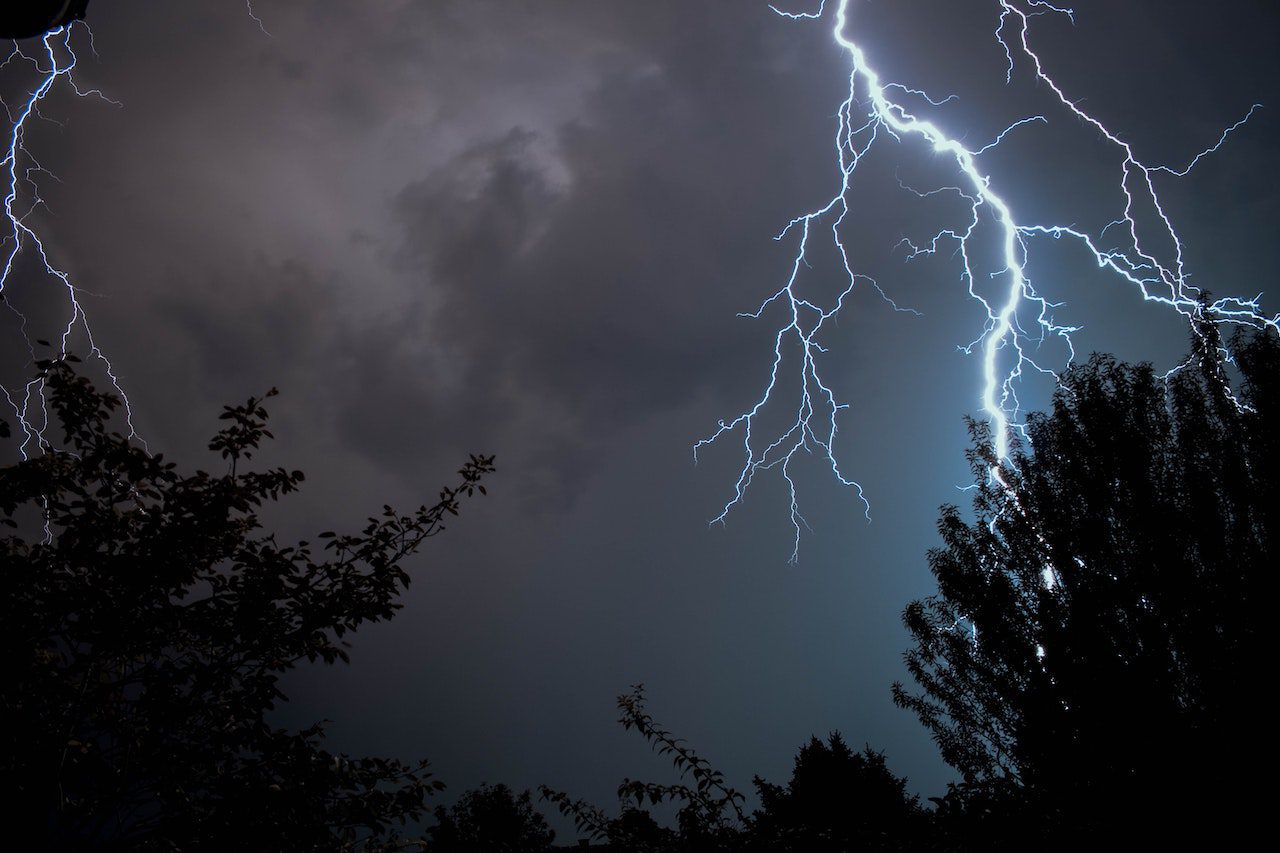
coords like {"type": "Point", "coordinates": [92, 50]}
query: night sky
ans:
{"type": "Point", "coordinates": [526, 229]}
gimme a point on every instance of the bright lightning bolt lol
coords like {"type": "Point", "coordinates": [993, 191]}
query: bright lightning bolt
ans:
{"type": "Point", "coordinates": [875, 110]}
{"type": "Point", "coordinates": [54, 66]}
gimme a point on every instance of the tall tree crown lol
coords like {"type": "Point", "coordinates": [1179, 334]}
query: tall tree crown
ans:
{"type": "Point", "coordinates": [1101, 623]}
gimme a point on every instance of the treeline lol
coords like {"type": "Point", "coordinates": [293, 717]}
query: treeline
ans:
{"type": "Point", "coordinates": [1094, 661]}
{"type": "Point", "coordinates": [1092, 664]}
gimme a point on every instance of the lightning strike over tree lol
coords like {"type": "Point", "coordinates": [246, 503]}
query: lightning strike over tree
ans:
{"type": "Point", "coordinates": [1018, 319]}
{"type": "Point", "coordinates": [22, 248]}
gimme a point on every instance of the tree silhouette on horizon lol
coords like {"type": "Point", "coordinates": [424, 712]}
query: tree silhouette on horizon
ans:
{"type": "Point", "coordinates": [837, 800]}
{"type": "Point", "coordinates": [492, 819]}
{"type": "Point", "coordinates": [1093, 663]}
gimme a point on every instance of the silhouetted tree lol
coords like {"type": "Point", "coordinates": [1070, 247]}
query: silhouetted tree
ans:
{"type": "Point", "coordinates": [1092, 661]}
{"type": "Point", "coordinates": [837, 800]}
{"type": "Point", "coordinates": [635, 831]}
{"type": "Point", "coordinates": [147, 618]}
{"type": "Point", "coordinates": [490, 819]}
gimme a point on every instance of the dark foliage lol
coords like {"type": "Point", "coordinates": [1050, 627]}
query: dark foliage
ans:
{"type": "Point", "coordinates": [1091, 664]}
{"type": "Point", "coordinates": [490, 819]}
{"type": "Point", "coordinates": [837, 800]}
{"type": "Point", "coordinates": [710, 807]}
{"type": "Point", "coordinates": [1092, 661]}
{"type": "Point", "coordinates": [147, 619]}
{"type": "Point", "coordinates": [710, 815]}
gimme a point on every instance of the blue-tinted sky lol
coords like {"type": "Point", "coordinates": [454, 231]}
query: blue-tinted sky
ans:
{"type": "Point", "coordinates": [526, 229]}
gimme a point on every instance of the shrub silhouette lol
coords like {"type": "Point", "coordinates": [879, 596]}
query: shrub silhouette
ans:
{"type": "Point", "coordinates": [490, 819]}
{"type": "Point", "coordinates": [837, 800]}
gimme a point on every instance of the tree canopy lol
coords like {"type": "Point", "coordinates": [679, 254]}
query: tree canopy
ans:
{"type": "Point", "coordinates": [492, 819]}
{"type": "Point", "coordinates": [1092, 659]}
{"type": "Point", "coordinates": [837, 800]}
{"type": "Point", "coordinates": [148, 619]}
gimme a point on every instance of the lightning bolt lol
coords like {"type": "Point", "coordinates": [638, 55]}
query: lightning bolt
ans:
{"type": "Point", "coordinates": [1018, 319]}
{"type": "Point", "coordinates": [253, 16]}
{"type": "Point", "coordinates": [54, 67]}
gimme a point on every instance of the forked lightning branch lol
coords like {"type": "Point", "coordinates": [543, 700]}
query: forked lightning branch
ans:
{"type": "Point", "coordinates": [1018, 320]}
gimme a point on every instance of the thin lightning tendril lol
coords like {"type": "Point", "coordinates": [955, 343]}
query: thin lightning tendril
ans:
{"type": "Point", "coordinates": [253, 16]}
{"type": "Point", "coordinates": [875, 109]}
{"type": "Point", "coordinates": [54, 66]}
